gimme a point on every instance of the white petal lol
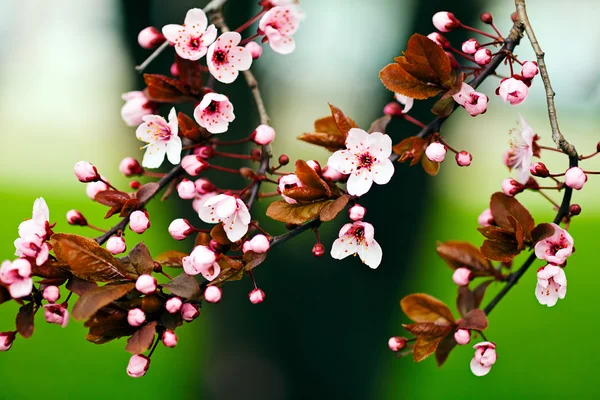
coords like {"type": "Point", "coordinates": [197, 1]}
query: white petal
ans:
{"type": "Point", "coordinates": [154, 156]}
{"type": "Point", "coordinates": [173, 150]}
{"type": "Point", "coordinates": [209, 36]}
{"type": "Point", "coordinates": [21, 288]}
{"type": "Point", "coordinates": [380, 145]}
{"type": "Point", "coordinates": [360, 182]}
{"type": "Point", "coordinates": [342, 161]}
{"type": "Point", "coordinates": [235, 228]}
{"type": "Point", "coordinates": [371, 254]}
{"type": "Point", "coordinates": [196, 18]}
{"type": "Point", "coordinates": [355, 139]}
{"type": "Point", "coordinates": [382, 172]}
{"type": "Point", "coordinates": [41, 213]}
{"type": "Point", "coordinates": [279, 43]}
{"type": "Point", "coordinates": [478, 369]}
{"type": "Point", "coordinates": [343, 248]}
{"type": "Point", "coordinates": [243, 214]}
{"type": "Point", "coordinates": [240, 58]}
{"type": "Point", "coordinates": [226, 207]}
{"type": "Point", "coordinates": [172, 32]}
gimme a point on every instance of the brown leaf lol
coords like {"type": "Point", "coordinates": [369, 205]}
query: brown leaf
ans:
{"type": "Point", "coordinates": [190, 129]}
{"type": "Point", "coordinates": [380, 124]}
{"type": "Point", "coordinates": [130, 206]}
{"type": "Point", "coordinates": [463, 254]}
{"type": "Point", "coordinates": [456, 86]}
{"type": "Point", "coordinates": [51, 269]}
{"type": "Point", "coordinates": [108, 323]}
{"type": "Point", "coordinates": [190, 74]}
{"type": "Point", "coordinates": [443, 107]}
{"type": "Point", "coordinates": [498, 234]}
{"type": "Point", "coordinates": [426, 60]}
{"type": "Point", "coordinates": [86, 259]}
{"type": "Point", "coordinates": [428, 329]}
{"type": "Point", "coordinates": [140, 259]}
{"type": "Point", "coordinates": [411, 148]}
{"type": "Point", "coordinates": [229, 274]}
{"type": "Point", "coordinates": [327, 140]}
{"type": "Point", "coordinates": [113, 211]}
{"type": "Point", "coordinates": [333, 208]}
{"type": "Point", "coordinates": [396, 79]}
{"type": "Point", "coordinates": [479, 293]}
{"type": "Point", "coordinates": [424, 346]}
{"type": "Point", "coordinates": [171, 321]}
{"type": "Point", "coordinates": [519, 233]}
{"type": "Point", "coordinates": [310, 178]}
{"type": "Point", "coordinates": [443, 349]}
{"type": "Point", "coordinates": [94, 299]}
{"type": "Point", "coordinates": [499, 251]}
{"type": "Point", "coordinates": [202, 239]}
{"type": "Point", "coordinates": [280, 210]}
{"type": "Point", "coordinates": [142, 339]}
{"type": "Point", "coordinates": [464, 300]}
{"type": "Point", "coordinates": [218, 234]}
{"type": "Point", "coordinates": [343, 123]}
{"type": "Point", "coordinates": [502, 206]}
{"type": "Point", "coordinates": [146, 192]}
{"type": "Point", "coordinates": [541, 232]}
{"type": "Point", "coordinates": [112, 198]}
{"type": "Point", "coordinates": [422, 307]}
{"type": "Point", "coordinates": [183, 286]}
{"type": "Point", "coordinates": [305, 194]}
{"type": "Point", "coordinates": [166, 90]}
{"type": "Point", "coordinates": [80, 286]}
{"type": "Point", "coordinates": [474, 319]}
{"type": "Point", "coordinates": [227, 263]}
{"type": "Point", "coordinates": [25, 320]}
{"type": "Point", "coordinates": [171, 259]}
{"type": "Point", "coordinates": [253, 260]}
{"type": "Point", "coordinates": [431, 167]}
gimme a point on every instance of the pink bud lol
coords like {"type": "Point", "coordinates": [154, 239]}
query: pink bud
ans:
{"type": "Point", "coordinates": [462, 276]}
{"type": "Point", "coordinates": [463, 159]}
{"type": "Point", "coordinates": [470, 46]}
{"type": "Point", "coordinates": [575, 178]}
{"type": "Point", "coordinates": [318, 250]}
{"type": "Point", "coordinates": [6, 340]}
{"type": "Point", "coordinates": [255, 49]}
{"type": "Point", "coordinates": [357, 212]}
{"type": "Point", "coordinates": [186, 189]}
{"type": "Point", "coordinates": [396, 343]}
{"type": "Point", "coordinates": [74, 217]}
{"type": "Point", "coordinates": [462, 336]}
{"type": "Point", "coordinates": [256, 296]}
{"type": "Point", "coordinates": [393, 109]}
{"type": "Point", "coordinates": [169, 338]}
{"type": "Point", "coordinates": [56, 314]}
{"type": "Point", "coordinates": [116, 245]}
{"type": "Point", "coordinates": [513, 90]}
{"type": "Point", "coordinates": [136, 317]}
{"type": "Point", "coordinates": [263, 134]}
{"type": "Point", "coordinates": [453, 63]}
{"type": "Point", "coordinates": [483, 56]}
{"type": "Point", "coordinates": [205, 152]}
{"type": "Point", "coordinates": [150, 38]}
{"type": "Point", "coordinates": [212, 294]}
{"type": "Point", "coordinates": [246, 247]}
{"type": "Point", "coordinates": [485, 218]}
{"type": "Point", "coordinates": [146, 284]}
{"type": "Point", "coordinates": [139, 222]}
{"type": "Point", "coordinates": [93, 188]}
{"type": "Point", "coordinates": [138, 365]}
{"type": "Point", "coordinates": [129, 166]}
{"type": "Point", "coordinates": [173, 305]}
{"type": "Point", "coordinates": [193, 165]}
{"type": "Point", "coordinates": [314, 164]}
{"type": "Point", "coordinates": [51, 293]}
{"type": "Point", "coordinates": [439, 39]}
{"type": "Point", "coordinates": [86, 172]}
{"type": "Point", "coordinates": [332, 175]}
{"type": "Point", "coordinates": [510, 187]}
{"type": "Point", "coordinates": [204, 186]}
{"type": "Point", "coordinates": [436, 152]}
{"type": "Point", "coordinates": [180, 229]}
{"type": "Point", "coordinates": [575, 209]}
{"type": "Point", "coordinates": [189, 312]}
{"type": "Point", "coordinates": [529, 69]}
{"type": "Point", "coordinates": [445, 21]}
{"type": "Point", "coordinates": [259, 244]}
{"type": "Point", "coordinates": [174, 69]}
{"type": "Point", "coordinates": [539, 169]}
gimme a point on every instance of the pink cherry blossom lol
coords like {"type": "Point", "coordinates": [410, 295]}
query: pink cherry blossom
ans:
{"type": "Point", "coordinates": [137, 105]}
{"type": "Point", "coordinates": [539, 169]}
{"type": "Point", "coordinates": [463, 158]}
{"type": "Point", "coordinates": [86, 172]}
{"type": "Point", "coordinates": [191, 39]}
{"type": "Point", "coordinates": [258, 244]}
{"type": "Point", "coordinates": [186, 189]}
{"type": "Point", "coordinates": [193, 165]}
{"type": "Point", "coordinates": [551, 285]}
{"type": "Point", "coordinates": [173, 305]}
{"type": "Point", "coordinates": [116, 245]}
{"type": "Point", "coordinates": [33, 234]}
{"type": "Point", "coordinates": [575, 178]}
{"type": "Point", "coordinates": [462, 276]}
{"type": "Point", "coordinates": [474, 102]}
{"type": "Point", "coordinates": [556, 248]}
{"type": "Point", "coordinates": [162, 138]}
{"type": "Point", "coordinates": [56, 314]}
{"type": "Point", "coordinates": [225, 58]}
{"type": "Point", "coordinates": [202, 260]}
{"type": "Point", "coordinates": [93, 188]}
{"type": "Point", "coordinates": [529, 69]}
{"type": "Point", "coordinates": [75, 217]}
{"type": "Point", "coordinates": [366, 160]}
{"type": "Point", "coordinates": [483, 56]}
{"type": "Point", "coordinates": [180, 229]}
{"type": "Point", "coordinates": [332, 175]}
{"type": "Point", "coordinates": [129, 166]}
{"type": "Point", "coordinates": [439, 39]}
{"type": "Point", "coordinates": [511, 188]}
{"type": "Point", "coordinates": [212, 294]}
{"type": "Point", "coordinates": [214, 113]}
{"type": "Point", "coordinates": [445, 21]}
{"type": "Point", "coordinates": [205, 152]}
{"type": "Point", "coordinates": [138, 365]}
{"type": "Point", "coordinates": [256, 296]}
{"type": "Point", "coordinates": [485, 357]}
{"type": "Point", "coordinates": [189, 312]}
{"type": "Point", "coordinates": [146, 284]}
{"type": "Point", "coordinates": [139, 221]}
{"type": "Point", "coordinates": [6, 340]}
{"type": "Point", "coordinates": [254, 48]}
{"type": "Point", "coordinates": [396, 343]}
{"type": "Point", "coordinates": [314, 165]}
{"type": "Point", "coordinates": [470, 46]}
{"type": "Point", "coordinates": [485, 218]}
{"type": "Point", "coordinates": [201, 199]}
{"type": "Point", "coordinates": [520, 152]}
{"type": "Point", "coordinates": [169, 338]}
{"type": "Point", "coordinates": [278, 25]}
{"type": "Point", "coordinates": [229, 210]}
{"type": "Point", "coordinates": [436, 152]}
{"type": "Point", "coordinates": [136, 317]}
{"type": "Point", "coordinates": [462, 336]}
{"type": "Point", "coordinates": [512, 90]}
{"type": "Point", "coordinates": [357, 212]}
{"type": "Point", "coordinates": [150, 37]}
{"type": "Point", "coordinates": [358, 238]}
{"type": "Point", "coordinates": [51, 293]}
{"type": "Point", "coordinates": [288, 182]}
{"type": "Point", "coordinates": [17, 275]}
{"type": "Point", "coordinates": [263, 134]}
{"type": "Point", "coordinates": [406, 101]}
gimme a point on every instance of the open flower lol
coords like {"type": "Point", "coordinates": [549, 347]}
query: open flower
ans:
{"type": "Point", "coordinates": [557, 248]}
{"type": "Point", "coordinates": [162, 138]}
{"type": "Point", "coordinates": [278, 25]}
{"type": "Point", "coordinates": [225, 58]}
{"type": "Point", "coordinates": [474, 102]}
{"type": "Point", "coordinates": [229, 210]}
{"type": "Point", "coordinates": [136, 106]}
{"type": "Point", "coordinates": [520, 152]}
{"type": "Point", "coordinates": [358, 238]}
{"type": "Point", "coordinates": [17, 275]}
{"type": "Point", "coordinates": [214, 113]}
{"type": "Point", "coordinates": [56, 314]}
{"type": "Point", "coordinates": [551, 285]}
{"type": "Point", "coordinates": [203, 261]}
{"type": "Point", "coordinates": [191, 39]}
{"type": "Point", "coordinates": [33, 234]}
{"type": "Point", "coordinates": [366, 160]}
{"type": "Point", "coordinates": [485, 357]}
{"type": "Point", "coordinates": [513, 90]}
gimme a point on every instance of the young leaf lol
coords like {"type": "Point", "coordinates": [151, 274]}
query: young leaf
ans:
{"type": "Point", "coordinates": [443, 107]}
{"type": "Point", "coordinates": [422, 307]}
{"type": "Point", "coordinates": [218, 234]}
{"type": "Point", "coordinates": [183, 286]}
{"type": "Point", "coordinates": [80, 286]}
{"type": "Point", "coordinates": [327, 134]}
{"type": "Point", "coordinates": [431, 167]}
{"type": "Point", "coordinates": [443, 349]}
{"type": "Point", "coordinates": [333, 208]}
{"type": "Point", "coordinates": [147, 191]}
{"type": "Point", "coordinates": [411, 148]}
{"type": "Point", "coordinates": [51, 269]}
{"type": "Point", "coordinates": [282, 211]}
{"type": "Point", "coordinates": [429, 329]}
{"type": "Point", "coordinates": [142, 339]}
{"type": "Point", "coordinates": [190, 74]}
{"type": "Point", "coordinates": [310, 178]}
{"type": "Point", "coordinates": [343, 123]}
{"type": "Point", "coordinates": [474, 319]}
{"type": "Point", "coordinates": [253, 260]}
{"type": "Point", "coordinates": [305, 194]}
{"type": "Point", "coordinates": [171, 259]}
{"type": "Point", "coordinates": [499, 251]}
{"type": "Point", "coordinates": [426, 60]}
{"type": "Point", "coordinates": [140, 259]}
{"type": "Point", "coordinates": [479, 293]}
{"type": "Point", "coordinates": [502, 206]}
{"type": "Point", "coordinates": [462, 254]}
{"type": "Point", "coordinates": [380, 124]}
{"type": "Point", "coordinates": [112, 198]}
{"type": "Point", "coordinates": [108, 323]}
{"type": "Point", "coordinates": [25, 320]}
{"type": "Point", "coordinates": [229, 274]}
{"type": "Point", "coordinates": [464, 300]}
{"type": "Point", "coordinates": [94, 299]}
{"type": "Point", "coordinates": [166, 90]}
{"type": "Point", "coordinates": [396, 79]}
{"type": "Point", "coordinates": [541, 232]}
{"type": "Point", "coordinates": [424, 346]}
{"type": "Point", "coordinates": [227, 262]}
{"type": "Point", "coordinates": [4, 294]}
{"type": "Point", "coordinates": [190, 129]}
{"type": "Point", "coordinates": [130, 206]}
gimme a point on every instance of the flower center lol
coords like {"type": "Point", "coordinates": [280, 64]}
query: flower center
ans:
{"type": "Point", "coordinates": [365, 160]}
{"type": "Point", "coordinates": [358, 233]}
{"type": "Point", "coordinates": [212, 108]}
{"type": "Point", "coordinates": [219, 57]}
{"type": "Point", "coordinates": [194, 43]}
{"type": "Point", "coordinates": [159, 132]}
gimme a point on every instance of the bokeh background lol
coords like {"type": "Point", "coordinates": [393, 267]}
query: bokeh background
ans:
{"type": "Point", "coordinates": [322, 331]}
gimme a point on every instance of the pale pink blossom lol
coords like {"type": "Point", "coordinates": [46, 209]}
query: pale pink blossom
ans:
{"type": "Point", "coordinates": [6, 340]}
{"type": "Point", "coordinates": [462, 276]}
{"type": "Point", "coordinates": [314, 165]}
{"type": "Point", "coordinates": [33, 234]}
{"type": "Point", "coordinates": [529, 69]}
{"type": "Point", "coordinates": [162, 138]}
{"type": "Point", "coordinates": [474, 102]}
{"type": "Point", "coordinates": [520, 152]}
{"type": "Point", "coordinates": [137, 105]}
{"type": "Point", "coordinates": [17, 275]}
{"type": "Point", "coordinates": [436, 152]}
{"type": "Point", "coordinates": [258, 244]}
{"type": "Point", "coordinates": [462, 336]}
{"type": "Point", "coordinates": [139, 221]}
{"type": "Point", "coordinates": [229, 210]}
{"type": "Point", "coordinates": [357, 212]}
{"type": "Point", "coordinates": [202, 260]}
{"type": "Point", "coordinates": [214, 113]}
{"type": "Point", "coordinates": [406, 101]}
{"type": "Point", "coordinates": [485, 357]}
{"type": "Point", "coordinates": [136, 317]}
{"type": "Point", "coordinates": [366, 160]}
{"type": "Point", "coordinates": [255, 49]}
{"type": "Point", "coordinates": [212, 294]}
{"type": "Point", "coordinates": [173, 305]}
{"type": "Point", "coordinates": [358, 238]}
{"type": "Point", "coordinates": [225, 58]}
{"type": "Point", "coordinates": [193, 165]}
{"type": "Point", "coordinates": [191, 39]}
{"type": "Point", "coordinates": [556, 248]}
{"type": "Point", "coordinates": [51, 293]}
{"type": "Point", "coordinates": [186, 189]}
{"type": "Point", "coordinates": [116, 245]}
{"type": "Point", "coordinates": [150, 37]}
{"type": "Point", "coordinates": [180, 229]}
{"type": "Point", "coordinates": [551, 285]}
{"type": "Point", "coordinates": [575, 178]}
{"type": "Point", "coordinates": [56, 314]}
{"type": "Point", "coordinates": [445, 21]}
{"type": "Point", "coordinates": [332, 174]}
{"type": "Point", "coordinates": [93, 188]}
{"type": "Point", "coordinates": [511, 187]}
{"type": "Point", "coordinates": [263, 134]}
{"type": "Point", "coordinates": [439, 39]}
{"type": "Point", "coordinates": [205, 152]}
{"type": "Point", "coordinates": [201, 199]}
{"type": "Point", "coordinates": [512, 90]}
{"type": "Point", "coordinates": [483, 56]}
{"type": "Point", "coordinates": [129, 166]}
{"type": "Point", "coordinates": [86, 172]}
{"type": "Point", "coordinates": [396, 343]}
{"type": "Point", "coordinates": [169, 338]}
{"type": "Point", "coordinates": [470, 46]}
{"type": "Point", "coordinates": [189, 312]}
{"type": "Point", "coordinates": [146, 284]}
{"type": "Point", "coordinates": [463, 158]}
{"type": "Point", "coordinates": [256, 296]}
{"type": "Point", "coordinates": [75, 217]}
{"type": "Point", "coordinates": [278, 25]}
{"type": "Point", "coordinates": [485, 218]}
{"type": "Point", "coordinates": [138, 365]}
{"type": "Point", "coordinates": [289, 181]}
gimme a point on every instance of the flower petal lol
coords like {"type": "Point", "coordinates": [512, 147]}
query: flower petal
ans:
{"type": "Point", "coordinates": [173, 150]}
{"type": "Point", "coordinates": [196, 19]}
{"type": "Point", "coordinates": [371, 254]}
{"type": "Point", "coordinates": [355, 139]}
{"type": "Point", "coordinates": [383, 171]}
{"type": "Point", "coordinates": [342, 161]}
{"type": "Point", "coordinates": [360, 182]}
{"type": "Point", "coordinates": [154, 156]}
{"type": "Point", "coordinates": [343, 247]}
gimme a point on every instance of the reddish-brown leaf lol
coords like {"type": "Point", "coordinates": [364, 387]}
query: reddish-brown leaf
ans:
{"type": "Point", "coordinates": [343, 122]}
{"type": "Point", "coordinates": [456, 86]}
{"type": "Point", "coordinates": [327, 140]}
{"type": "Point", "coordinates": [171, 259]}
{"type": "Point", "coordinates": [147, 191]}
{"type": "Point", "coordinates": [474, 319]}
{"type": "Point", "coordinates": [499, 251]}
{"type": "Point", "coordinates": [463, 254]}
{"type": "Point", "coordinates": [428, 329]}
{"type": "Point", "coordinates": [86, 259]}
{"type": "Point", "coordinates": [166, 90]}
{"type": "Point", "coordinates": [183, 286]}
{"type": "Point", "coordinates": [4, 294]}
{"type": "Point", "coordinates": [171, 321]}
{"type": "Point", "coordinates": [380, 124]}
{"type": "Point", "coordinates": [229, 274]}
{"type": "Point", "coordinates": [411, 148]}
{"type": "Point", "coordinates": [333, 208]}
{"type": "Point", "coordinates": [94, 299]}
{"type": "Point", "coordinates": [202, 239]}
{"type": "Point", "coordinates": [426, 60]}
{"type": "Point", "coordinates": [139, 260]}
{"type": "Point", "coordinates": [305, 194]}
{"type": "Point", "coordinates": [142, 339]}
{"type": "Point", "coordinates": [396, 79]}
{"type": "Point", "coordinates": [479, 293]}
{"type": "Point", "coordinates": [130, 206]}
{"type": "Point", "coordinates": [541, 232]}
{"type": "Point", "coordinates": [112, 198]}
{"type": "Point", "coordinates": [424, 346]}
{"type": "Point", "coordinates": [227, 263]}
{"type": "Point", "coordinates": [310, 178]}
{"type": "Point", "coordinates": [498, 234]}
{"type": "Point", "coordinates": [502, 206]}
{"type": "Point", "coordinates": [443, 107]}
{"type": "Point", "coordinates": [190, 74]}
{"type": "Point", "coordinates": [431, 167]}
{"type": "Point", "coordinates": [218, 234]}
{"type": "Point", "coordinates": [519, 233]}
{"type": "Point", "coordinates": [107, 324]}
{"type": "Point", "coordinates": [113, 211]}
{"type": "Point", "coordinates": [80, 286]}
{"type": "Point", "coordinates": [464, 300]}
{"type": "Point", "coordinates": [253, 260]}
{"type": "Point", "coordinates": [51, 269]}
{"type": "Point", "coordinates": [422, 307]}
{"type": "Point", "coordinates": [25, 320]}
{"type": "Point", "coordinates": [443, 349]}
{"type": "Point", "coordinates": [280, 210]}
{"type": "Point", "coordinates": [190, 129]}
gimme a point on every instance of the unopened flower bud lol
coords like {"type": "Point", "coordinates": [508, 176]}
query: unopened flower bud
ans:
{"type": "Point", "coordinates": [332, 174]}
{"type": "Point", "coordinates": [116, 245]}
{"type": "Point", "coordinates": [150, 38]}
{"type": "Point", "coordinates": [393, 109]}
{"type": "Point", "coordinates": [462, 276]}
{"type": "Point", "coordinates": [173, 305]}
{"type": "Point", "coordinates": [485, 218]}
{"type": "Point", "coordinates": [174, 69]}
{"type": "Point", "coordinates": [462, 336]}
{"type": "Point", "coordinates": [314, 165]}
{"type": "Point", "coordinates": [318, 250]}
{"type": "Point", "coordinates": [86, 172]}
{"type": "Point", "coordinates": [256, 296]}
{"type": "Point", "coordinates": [186, 189]}
{"type": "Point", "coordinates": [212, 294]}
{"type": "Point", "coordinates": [463, 158]}
{"type": "Point", "coordinates": [453, 63]}
{"type": "Point", "coordinates": [487, 18]}
{"type": "Point", "coordinates": [396, 343]}
{"type": "Point", "coordinates": [129, 166]}
{"type": "Point", "coordinates": [51, 293]}
{"type": "Point", "coordinates": [575, 209]}
{"type": "Point", "coordinates": [56, 314]}
{"type": "Point", "coordinates": [470, 46]}
{"type": "Point", "coordinates": [138, 365]}
{"type": "Point", "coordinates": [205, 152]}
{"type": "Point", "coordinates": [529, 69]}
{"type": "Point", "coordinates": [510, 187]}
{"type": "Point", "coordinates": [445, 21]}
{"type": "Point", "coordinates": [254, 48]}
{"type": "Point", "coordinates": [439, 39]}
{"type": "Point", "coordinates": [357, 212]}
{"type": "Point", "coordinates": [75, 217]}
{"type": "Point", "coordinates": [514, 17]}
{"type": "Point", "coordinates": [193, 165]}
{"type": "Point", "coordinates": [169, 338]}
{"type": "Point", "coordinates": [136, 317]}
{"type": "Point", "coordinates": [258, 244]}
{"type": "Point", "coordinates": [483, 56]}
{"type": "Point", "coordinates": [139, 221]}
{"type": "Point", "coordinates": [436, 152]}
{"type": "Point", "coordinates": [6, 340]}
{"type": "Point", "coordinates": [204, 186]}
{"type": "Point", "coordinates": [539, 169]}
{"type": "Point", "coordinates": [575, 178]}
{"type": "Point", "coordinates": [513, 90]}
{"type": "Point", "coordinates": [189, 312]}
{"type": "Point", "coordinates": [263, 134]}
{"type": "Point", "coordinates": [180, 229]}
{"type": "Point", "coordinates": [146, 284]}
{"type": "Point", "coordinates": [255, 154]}
{"type": "Point", "coordinates": [284, 159]}
{"type": "Point", "coordinates": [135, 185]}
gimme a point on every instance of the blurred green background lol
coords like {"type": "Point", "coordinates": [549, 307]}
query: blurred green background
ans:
{"type": "Point", "coordinates": [323, 330]}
